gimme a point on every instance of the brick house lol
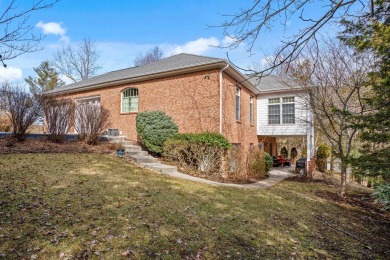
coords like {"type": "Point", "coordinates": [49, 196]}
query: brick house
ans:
{"type": "Point", "coordinates": [199, 93]}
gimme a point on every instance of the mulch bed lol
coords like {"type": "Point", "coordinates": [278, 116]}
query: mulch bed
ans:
{"type": "Point", "coordinates": [42, 145]}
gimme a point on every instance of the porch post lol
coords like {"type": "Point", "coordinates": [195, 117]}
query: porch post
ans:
{"type": "Point", "coordinates": [309, 138]}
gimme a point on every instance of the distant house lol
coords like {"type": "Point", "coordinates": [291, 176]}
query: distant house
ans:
{"type": "Point", "coordinates": [200, 94]}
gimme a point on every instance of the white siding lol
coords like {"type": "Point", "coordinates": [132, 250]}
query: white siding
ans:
{"type": "Point", "coordinates": [301, 113]}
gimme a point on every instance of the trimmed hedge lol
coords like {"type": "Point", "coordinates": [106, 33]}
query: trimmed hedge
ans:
{"type": "Point", "coordinates": [154, 128]}
{"type": "Point", "coordinates": [206, 138]}
{"type": "Point", "coordinates": [201, 151]}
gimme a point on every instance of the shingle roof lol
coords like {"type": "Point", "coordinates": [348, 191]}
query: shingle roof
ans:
{"type": "Point", "coordinates": [180, 61]}
{"type": "Point", "coordinates": [272, 83]}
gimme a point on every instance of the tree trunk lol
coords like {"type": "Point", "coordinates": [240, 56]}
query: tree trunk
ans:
{"type": "Point", "coordinates": [332, 163]}
{"type": "Point", "coordinates": [343, 179]}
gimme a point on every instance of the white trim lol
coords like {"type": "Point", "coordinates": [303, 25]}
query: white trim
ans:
{"type": "Point", "coordinates": [251, 109]}
{"type": "Point", "coordinates": [220, 97]}
{"type": "Point", "coordinates": [122, 93]}
{"type": "Point", "coordinates": [86, 98]}
{"type": "Point", "coordinates": [238, 93]}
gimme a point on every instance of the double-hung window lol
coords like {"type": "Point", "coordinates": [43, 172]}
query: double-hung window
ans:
{"type": "Point", "coordinates": [274, 111]}
{"type": "Point", "coordinates": [281, 111]}
{"type": "Point", "coordinates": [288, 110]}
{"type": "Point", "coordinates": [238, 108]}
{"type": "Point", "coordinates": [129, 100]}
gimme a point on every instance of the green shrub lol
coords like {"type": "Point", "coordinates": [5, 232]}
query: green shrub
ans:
{"type": "Point", "coordinates": [154, 128]}
{"type": "Point", "coordinates": [269, 161]}
{"type": "Point", "coordinates": [382, 195]}
{"type": "Point", "coordinates": [201, 151]}
{"type": "Point", "coordinates": [323, 152]}
{"type": "Point", "coordinates": [206, 138]}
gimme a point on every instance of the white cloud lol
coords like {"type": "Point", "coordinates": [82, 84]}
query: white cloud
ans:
{"type": "Point", "coordinates": [53, 28]}
{"type": "Point", "coordinates": [198, 46]}
{"type": "Point", "coordinates": [66, 79]}
{"type": "Point", "coordinates": [10, 74]}
{"type": "Point", "coordinates": [228, 40]}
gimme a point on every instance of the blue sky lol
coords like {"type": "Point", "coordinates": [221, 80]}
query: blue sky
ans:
{"type": "Point", "coordinates": [122, 29]}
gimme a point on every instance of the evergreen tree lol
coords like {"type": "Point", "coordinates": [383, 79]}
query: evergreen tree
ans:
{"type": "Point", "coordinates": [47, 79]}
{"type": "Point", "coordinates": [374, 36]}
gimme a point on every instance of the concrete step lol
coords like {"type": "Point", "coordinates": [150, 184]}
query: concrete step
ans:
{"type": "Point", "coordinates": [136, 152]}
{"type": "Point", "coordinates": [144, 159]}
{"type": "Point", "coordinates": [111, 138]}
{"type": "Point", "coordinates": [163, 168]}
{"type": "Point", "coordinates": [131, 147]}
{"type": "Point", "coordinates": [128, 143]}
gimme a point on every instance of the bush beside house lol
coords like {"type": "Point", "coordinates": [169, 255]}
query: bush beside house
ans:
{"type": "Point", "coordinates": [259, 163]}
{"type": "Point", "coordinates": [58, 114]}
{"type": "Point", "coordinates": [200, 152]}
{"type": "Point", "coordinates": [90, 122]}
{"type": "Point", "coordinates": [209, 154]}
{"type": "Point", "coordinates": [154, 128]}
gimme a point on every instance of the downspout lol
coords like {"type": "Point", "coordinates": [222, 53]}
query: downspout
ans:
{"type": "Point", "coordinates": [220, 97]}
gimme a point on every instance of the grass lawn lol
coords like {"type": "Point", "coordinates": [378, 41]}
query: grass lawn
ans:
{"type": "Point", "coordinates": [55, 206]}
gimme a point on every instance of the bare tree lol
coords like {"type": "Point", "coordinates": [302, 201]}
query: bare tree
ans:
{"type": "Point", "coordinates": [260, 17]}
{"type": "Point", "coordinates": [22, 108]}
{"type": "Point", "coordinates": [16, 39]}
{"type": "Point", "coordinates": [58, 115]}
{"type": "Point", "coordinates": [150, 56]}
{"type": "Point", "coordinates": [91, 121]}
{"type": "Point", "coordinates": [334, 76]}
{"type": "Point", "coordinates": [77, 63]}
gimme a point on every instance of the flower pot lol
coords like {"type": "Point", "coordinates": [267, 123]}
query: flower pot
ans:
{"type": "Point", "coordinates": [120, 152]}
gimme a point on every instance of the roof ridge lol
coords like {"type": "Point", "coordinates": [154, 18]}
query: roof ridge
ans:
{"type": "Point", "coordinates": [175, 62]}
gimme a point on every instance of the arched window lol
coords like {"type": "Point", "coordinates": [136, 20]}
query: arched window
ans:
{"type": "Point", "coordinates": [130, 100]}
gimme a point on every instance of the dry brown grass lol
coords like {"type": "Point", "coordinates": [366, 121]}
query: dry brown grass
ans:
{"type": "Point", "coordinates": [98, 206]}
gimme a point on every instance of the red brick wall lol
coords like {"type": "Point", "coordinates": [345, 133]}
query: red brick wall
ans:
{"type": "Point", "coordinates": [238, 131]}
{"type": "Point", "coordinates": [192, 100]}
{"type": "Point", "coordinates": [268, 142]}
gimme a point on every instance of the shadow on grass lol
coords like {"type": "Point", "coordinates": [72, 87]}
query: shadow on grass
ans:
{"type": "Point", "coordinates": [92, 206]}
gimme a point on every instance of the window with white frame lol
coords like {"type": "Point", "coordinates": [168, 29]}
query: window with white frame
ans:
{"type": "Point", "coordinates": [281, 110]}
{"type": "Point", "coordinates": [274, 111]}
{"type": "Point", "coordinates": [238, 104]}
{"type": "Point", "coordinates": [251, 110]}
{"type": "Point", "coordinates": [94, 100]}
{"type": "Point", "coordinates": [130, 100]}
{"type": "Point", "coordinates": [288, 110]}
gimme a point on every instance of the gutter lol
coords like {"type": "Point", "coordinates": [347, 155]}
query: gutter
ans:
{"type": "Point", "coordinates": [220, 97]}
{"type": "Point", "coordinates": [135, 79]}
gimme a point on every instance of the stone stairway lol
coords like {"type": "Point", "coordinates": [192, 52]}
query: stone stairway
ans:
{"type": "Point", "coordinates": [142, 157]}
